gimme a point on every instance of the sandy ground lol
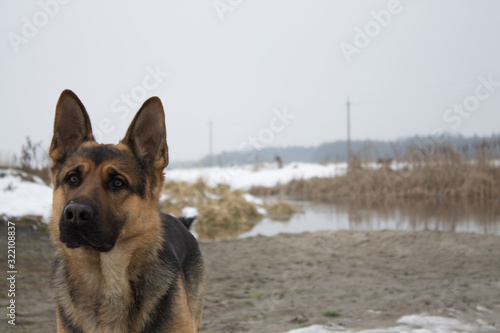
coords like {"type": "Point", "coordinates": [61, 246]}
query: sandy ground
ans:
{"type": "Point", "coordinates": [368, 279]}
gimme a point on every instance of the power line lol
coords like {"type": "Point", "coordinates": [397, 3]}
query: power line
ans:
{"type": "Point", "coordinates": [348, 104]}
{"type": "Point", "coordinates": [210, 143]}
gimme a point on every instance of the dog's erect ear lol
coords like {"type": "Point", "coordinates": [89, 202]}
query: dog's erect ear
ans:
{"type": "Point", "coordinates": [71, 126]}
{"type": "Point", "coordinates": [147, 136]}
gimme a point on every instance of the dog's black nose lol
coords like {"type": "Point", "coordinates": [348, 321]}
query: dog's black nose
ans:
{"type": "Point", "coordinates": [78, 213]}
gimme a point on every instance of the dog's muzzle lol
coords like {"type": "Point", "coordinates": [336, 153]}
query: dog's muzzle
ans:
{"type": "Point", "coordinates": [80, 226]}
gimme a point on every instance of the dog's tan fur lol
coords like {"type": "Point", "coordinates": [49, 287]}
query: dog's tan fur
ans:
{"type": "Point", "coordinates": [102, 280]}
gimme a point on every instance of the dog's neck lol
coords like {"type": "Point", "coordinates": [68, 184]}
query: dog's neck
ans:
{"type": "Point", "coordinates": [107, 277]}
{"type": "Point", "coordinates": [88, 266]}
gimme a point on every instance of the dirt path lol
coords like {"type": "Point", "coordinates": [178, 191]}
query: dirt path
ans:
{"type": "Point", "coordinates": [368, 279]}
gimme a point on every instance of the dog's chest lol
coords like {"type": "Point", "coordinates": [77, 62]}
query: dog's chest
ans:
{"type": "Point", "coordinates": [108, 291]}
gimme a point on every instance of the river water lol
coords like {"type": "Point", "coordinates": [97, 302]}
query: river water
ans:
{"type": "Point", "coordinates": [417, 215]}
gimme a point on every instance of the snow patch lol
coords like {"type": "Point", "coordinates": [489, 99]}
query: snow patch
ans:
{"type": "Point", "coordinates": [481, 308]}
{"type": "Point", "coordinates": [436, 324]}
{"type": "Point", "coordinates": [421, 323]}
{"type": "Point", "coordinates": [313, 329]}
{"type": "Point", "coordinates": [245, 176]}
{"type": "Point", "coordinates": [250, 198]}
{"type": "Point", "coordinates": [20, 197]}
{"type": "Point", "coordinates": [190, 212]}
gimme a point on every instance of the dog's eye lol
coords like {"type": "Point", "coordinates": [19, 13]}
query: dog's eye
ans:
{"type": "Point", "coordinates": [73, 179]}
{"type": "Point", "coordinates": [118, 183]}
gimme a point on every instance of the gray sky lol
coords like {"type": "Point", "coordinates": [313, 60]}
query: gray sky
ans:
{"type": "Point", "coordinates": [267, 73]}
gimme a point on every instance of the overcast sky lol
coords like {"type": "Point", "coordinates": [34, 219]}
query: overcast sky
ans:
{"type": "Point", "coordinates": [267, 73]}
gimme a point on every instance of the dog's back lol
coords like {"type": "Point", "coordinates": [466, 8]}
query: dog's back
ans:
{"type": "Point", "coordinates": [181, 246]}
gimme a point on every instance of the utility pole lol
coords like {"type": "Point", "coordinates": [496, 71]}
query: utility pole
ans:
{"type": "Point", "coordinates": [348, 131]}
{"type": "Point", "coordinates": [210, 143]}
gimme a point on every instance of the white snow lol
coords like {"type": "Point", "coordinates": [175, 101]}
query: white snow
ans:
{"type": "Point", "coordinates": [257, 201]}
{"type": "Point", "coordinates": [245, 176]}
{"type": "Point", "coordinates": [313, 329]}
{"type": "Point", "coordinates": [19, 197]}
{"type": "Point", "coordinates": [481, 308]}
{"type": "Point", "coordinates": [250, 198]}
{"type": "Point", "coordinates": [421, 323]}
{"type": "Point", "coordinates": [436, 324]}
{"type": "Point", "coordinates": [190, 212]}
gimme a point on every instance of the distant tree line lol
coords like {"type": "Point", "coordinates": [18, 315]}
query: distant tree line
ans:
{"type": "Point", "coordinates": [365, 150]}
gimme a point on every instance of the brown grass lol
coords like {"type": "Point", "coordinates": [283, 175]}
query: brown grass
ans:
{"type": "Point", "coordinates": [228, 217]}
{"type": "Point", "coordinates": [426, 172]}
{"type": "Point", "coordinates": [223, 213]}
{"type": "Point", "coordinates": [280, 211]}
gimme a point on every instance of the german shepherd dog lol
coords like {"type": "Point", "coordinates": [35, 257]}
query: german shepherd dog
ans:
{"type": "Point", "coordinates": [121, 265]}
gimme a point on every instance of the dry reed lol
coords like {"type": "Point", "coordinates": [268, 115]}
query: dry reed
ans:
{"type": "Point", "coordinates": [425, 172]}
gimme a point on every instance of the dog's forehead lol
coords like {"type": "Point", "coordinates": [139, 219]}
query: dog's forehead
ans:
{"type": "Point", "coordinates": [103, 153]}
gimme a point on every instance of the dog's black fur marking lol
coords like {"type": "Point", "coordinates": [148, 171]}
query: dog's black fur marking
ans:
{"type": "Point", "coordinates": [187, 221]}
